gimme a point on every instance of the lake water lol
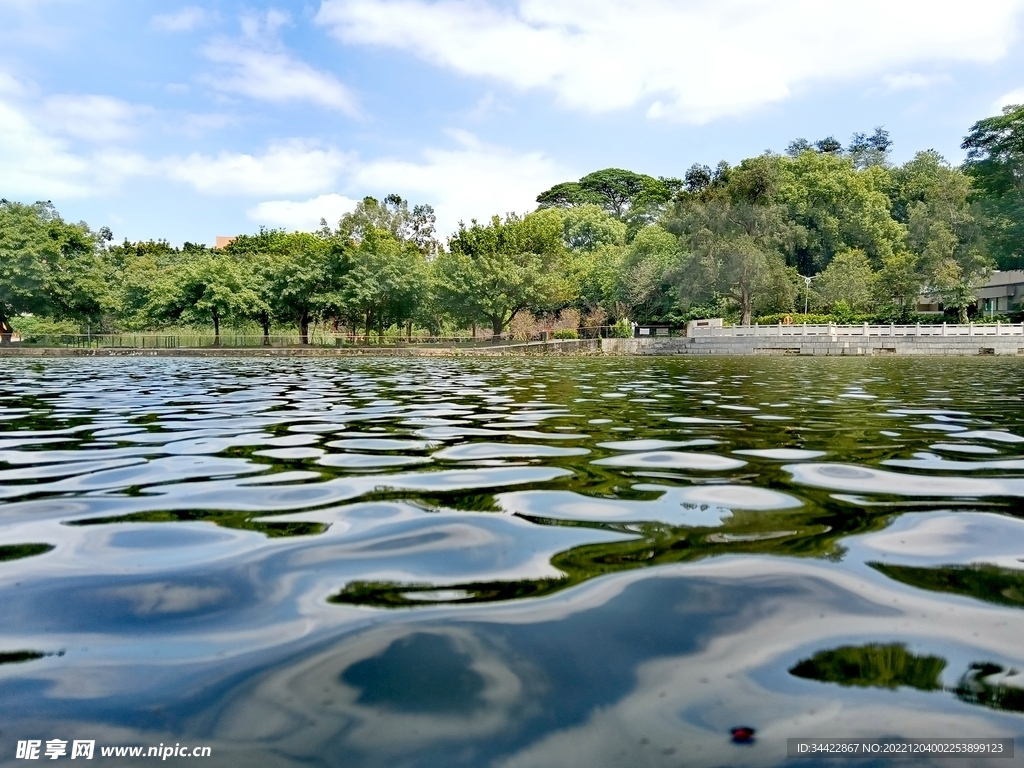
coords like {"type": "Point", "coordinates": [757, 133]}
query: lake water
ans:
{"type": "Point", "coordinates": [512, 563]}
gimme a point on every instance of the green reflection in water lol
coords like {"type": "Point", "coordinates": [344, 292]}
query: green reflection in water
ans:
{"type": "Point", "coordinates": [976, 687]}
{"type": "Point", "coordinates": [990, 583]}
{"type": "Point", "coordinates": [873, 666]}
{"type": "Point", "coordinates": [16, 657]}
{"type": "Point", "coordinates": [892, 666]}
{"type": "Point", "coordinates": [18, 551]}
{"type": "Point", "coordinates": [239, 520]}
{"type": "Point", "coordinates": [811, 533]}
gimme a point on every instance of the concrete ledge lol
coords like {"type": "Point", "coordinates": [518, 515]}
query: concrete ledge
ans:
{"type": "Point", "coordinates": [949, 346]}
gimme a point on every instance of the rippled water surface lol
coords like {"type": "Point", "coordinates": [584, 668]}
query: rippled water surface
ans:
{"type": "Point", "coordinates": [570, 562]}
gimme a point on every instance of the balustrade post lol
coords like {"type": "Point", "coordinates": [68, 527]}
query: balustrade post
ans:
{"type": "Point", "coordinates": [917, 330]}
{"type": "Point", "coordinates": [892, 329]}
{"type": "Point", "coordinates": [970, 328]}
{"type": "Point", "coordinates": [943, 327]}
{"type": "Point", "coordinates": [999, 327]}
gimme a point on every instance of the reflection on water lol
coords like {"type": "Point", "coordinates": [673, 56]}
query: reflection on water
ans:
{"type": "Point", "coordinates": [509, 563]}
{"type": "Point", "coordinates": [893, 666]}
{"type": "Point", "coordinates": [873, 665]}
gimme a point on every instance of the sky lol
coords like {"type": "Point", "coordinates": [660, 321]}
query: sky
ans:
{"type": "Point", "coordinates": [183, 121]}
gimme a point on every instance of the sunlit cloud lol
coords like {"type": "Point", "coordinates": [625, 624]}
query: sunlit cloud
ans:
{"type": "Point", "coordinates": [301, 215]}
{"type": "Point", "coordinates": [183, 20]}
{"type": "Point", "coordinates": [292, 167]}
{"type": "Point", "coordinates": [906, 80]}
{"type": "Point", "coordinates": [684, 61]}
{"type": "Point", "coordinates": [1015, 96]}
{"type": "Point", "coordinates": [259, 67]}
{"type": "Point", "coordinates": [472, 180]}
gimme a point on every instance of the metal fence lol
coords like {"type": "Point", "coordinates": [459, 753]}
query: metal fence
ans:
{"type": "Point", "coordinates": [259, 341]}
{"type": "Point", "coordinates": [862, 330]}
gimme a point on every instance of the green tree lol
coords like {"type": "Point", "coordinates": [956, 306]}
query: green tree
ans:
{"type": "Point", "coordinates": [493, 270]}
{"type": "Point", "coordinates": [616, 190]}
{"type": "Point", "coordinates": [736, 252]}
{"type": "Point", "coordinates": [995, 162]}
{"type": "Point", "coordinates": [206, 284]}
{"type": "Point", "coordinates": [835, 207]}
{"type": "Point", "coordinates": [392, 214]}
{"type": "Point", "coordinates": [49, 266]}
{"type": "Point", "coordinates": [899, 284]}
{"type": "Point", "coordinates": [643, 283]}
{"type": "Point", "coordinates": [848, 278]}
{"type": "Point", "coordinates": [299, 273]}
{"type": "Point", "coordinates": [140, 266]}
{"type": "Point", "coordinates": [943, 230]}
{"type": "Point", "coordinates": [384, 283]}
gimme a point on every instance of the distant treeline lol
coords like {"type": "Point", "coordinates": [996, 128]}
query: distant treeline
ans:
{"type": "Point", "coordinates": [734, 241]}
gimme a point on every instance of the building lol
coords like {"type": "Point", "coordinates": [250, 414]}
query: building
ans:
{"type": "Point", "coordinates": [1003, 292]}
{"type": "Point", "coordinates": [224, 242]}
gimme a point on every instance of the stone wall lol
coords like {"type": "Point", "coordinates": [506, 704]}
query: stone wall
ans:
{"type": "Point", "coordinates": [701, 345]}
{"type": "Point", "coordinates": [823, 345]}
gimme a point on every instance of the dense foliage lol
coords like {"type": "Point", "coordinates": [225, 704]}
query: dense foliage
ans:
{"type": "Point", "coordinates": [615, 246]}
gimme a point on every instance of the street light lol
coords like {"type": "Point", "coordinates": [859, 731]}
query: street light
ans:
{"type": "Point", "coordinates": [807, 291]}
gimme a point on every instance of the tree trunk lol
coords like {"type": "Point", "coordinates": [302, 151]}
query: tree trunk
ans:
{"type": "Point", "coordinates": [747, 304]}
{"type": "Point", "coordinates": [408, 331]}
{"type": "Point", "coordinates": [497, 325]}
{"type": "Point", "coordinates": [5, 332]}
{"type": "Point", "coordinates": [963, 314]}
{"type": "Point", "coordinates": [304, 328]}
{"type": "Point", "coordinates": [216, 328]}
{"type": "Point", "coordinates": [474, 330]}
{"type": "Point", "coordinates": [265, 322]}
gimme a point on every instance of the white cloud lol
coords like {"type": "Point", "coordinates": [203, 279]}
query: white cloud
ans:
{"type": "Point", "coordinates": [1013, 97]}
{"type": "Point", "coordinates": [275, 76]}
{"type": "Point", "coordinates": [256, 26]}
{"type": "Point", "coordinates": [293, 167]}
{"type": "Point", "coordinates": [35, 165]}
{"type": "Point", "coordinates": [183, 20]}
{"type": "Point", "coordinates": [905, 80]}
{"type": "Point", "coordinates": [303, 216]}
{"type": "Point", "coordinates": [475, 180]}
{"type": "Point", "coordinates": [687, 60]}
{"type": "Point", "coordinates": [91, 117]}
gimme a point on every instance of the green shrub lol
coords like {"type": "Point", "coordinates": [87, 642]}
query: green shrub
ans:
{"type": "Point", "coordinates": [565, 333]}
{"type": "Point", "coordinates": [622, 330]}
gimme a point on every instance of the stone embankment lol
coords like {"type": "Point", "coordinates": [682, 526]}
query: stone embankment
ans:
{"type": "Point", "coordinates": [814, 345]}
{"type": "Point", "coordinates": [951, 346]}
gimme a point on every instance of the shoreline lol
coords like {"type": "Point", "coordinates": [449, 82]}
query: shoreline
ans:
{"type": "Point", "coordinates": [814, 346]}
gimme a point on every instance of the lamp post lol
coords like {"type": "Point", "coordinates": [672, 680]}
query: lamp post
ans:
{"type": "Point", "coordinates": [807, 292]}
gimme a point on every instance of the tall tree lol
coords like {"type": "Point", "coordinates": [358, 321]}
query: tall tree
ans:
{"type": "Point", "coordinates": [49, 266]}
{"type": "Point", "coordinates": [943, 231]}
{"type": "Point", "coordinates": [206, 284]}
{"type": "Point", "coordinates": [736, 252]}
{"type": "Point", "coordinates": [616, 190]}
{"type": "Point", "coordinates": [493, 270]}
{"type": "Point", "coordinates": [848, 278]}
{"type": "Point", "coordinates": [384, 283]}
{"type": "Point", "coordinates": [995, 162]}
{"type": "Point", "coordinates": [392, 214]}
{"type": "Point", "coordinates": [299, 272]}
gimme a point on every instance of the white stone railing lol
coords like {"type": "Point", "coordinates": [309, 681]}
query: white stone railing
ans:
{"type": "Point", "coordinates": [863, 330]}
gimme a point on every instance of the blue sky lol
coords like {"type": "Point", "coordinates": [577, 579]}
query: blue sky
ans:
{"type": "Point", "coordinates": [187, 120]}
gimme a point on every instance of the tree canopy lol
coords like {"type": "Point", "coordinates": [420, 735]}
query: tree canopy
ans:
{"type": "Point", "coordinates": [875, 239]}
